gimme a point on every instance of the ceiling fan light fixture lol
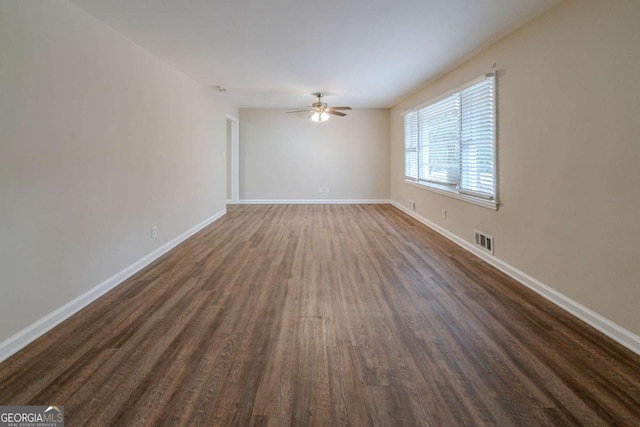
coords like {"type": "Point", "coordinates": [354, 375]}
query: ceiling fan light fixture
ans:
{"type": "Point", "coordinates": [320, 117]}
{"type": "Point", "coordinates": [320, 112]}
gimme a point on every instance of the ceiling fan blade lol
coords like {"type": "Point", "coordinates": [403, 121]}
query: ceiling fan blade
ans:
{"type": "Point", "coordinates": [298, 111]}
{"type": "Point", "coordinates": [335, 113]}
{"type": "Point", "coordinates": [339, 108]}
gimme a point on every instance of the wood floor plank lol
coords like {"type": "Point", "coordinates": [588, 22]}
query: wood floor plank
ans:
{"type": "Point", "coordinates": [324, 315]}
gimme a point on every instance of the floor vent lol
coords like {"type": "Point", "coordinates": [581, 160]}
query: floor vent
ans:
{"type": "Point", "coordinates": [484, 241]}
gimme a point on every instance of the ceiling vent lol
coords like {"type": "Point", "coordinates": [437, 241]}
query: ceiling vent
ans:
{"type": "Point", "coordinates": [483, 241]}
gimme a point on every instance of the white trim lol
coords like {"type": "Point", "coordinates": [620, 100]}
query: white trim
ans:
{"type": "Point", "coordinates": [485, 203]}
{"type": "Point", "coordinates": [313, 201]}
{"type": "Point", "coordinates": [21, 339]}
{"type": "Point", "coordinates": [599, 322]}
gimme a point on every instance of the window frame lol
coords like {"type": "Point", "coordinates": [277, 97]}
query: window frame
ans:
{"type": "Point", "coordinates": [455, 192]}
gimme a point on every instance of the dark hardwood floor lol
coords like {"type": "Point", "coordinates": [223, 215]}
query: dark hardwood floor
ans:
{"type": "Point", "coordinates": [325, 315]}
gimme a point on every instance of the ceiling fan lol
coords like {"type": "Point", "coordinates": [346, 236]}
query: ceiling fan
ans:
{"type": "Point", "coordinates": [320, 112]}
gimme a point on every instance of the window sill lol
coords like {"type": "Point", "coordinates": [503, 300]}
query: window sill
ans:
{"type": "Point", "coordinates": [446, 191]}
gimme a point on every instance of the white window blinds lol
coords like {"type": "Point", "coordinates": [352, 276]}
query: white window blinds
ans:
{"type": "Point", "coordinates": [477, 138]}
{"type": "Point", "coordinates": [439, 129]}
{"type": "Point", "coordinates": [450, 143]}
{"type": "Point", "coordinates": [411, 145]}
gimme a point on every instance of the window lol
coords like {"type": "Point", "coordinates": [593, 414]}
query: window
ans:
{"type": "Point", "coordinates": [450, 143]}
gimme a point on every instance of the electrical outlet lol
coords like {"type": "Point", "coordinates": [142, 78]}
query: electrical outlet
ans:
{"type": "Point", "coordinates": [154, 231]}
{"type": "Point", "coordinates": [412, 205]}
{"type": "Point", "coordinates": [319, 189]}
{"type": "Point", "coordinates": [326, 189]}
{"type": "Point", "coordinates": [444, 213]}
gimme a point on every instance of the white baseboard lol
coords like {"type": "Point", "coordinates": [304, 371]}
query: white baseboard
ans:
{"type": "Point", "coordinates": [601, 323]}
{"type": "Point", "coordinates": [313, 201]}
{"type": "Point", "coordinates": [16, 342]}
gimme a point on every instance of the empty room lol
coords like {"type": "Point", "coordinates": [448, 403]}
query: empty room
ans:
{"type": "Point", "coordinates": [290, 213]}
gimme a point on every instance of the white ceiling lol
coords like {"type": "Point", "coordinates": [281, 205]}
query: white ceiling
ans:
{"type": "Point", "coordinates": [274, 53]}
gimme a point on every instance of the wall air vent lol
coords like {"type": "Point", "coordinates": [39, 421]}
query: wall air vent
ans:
{"type": "Point", "coordinates": [483, 240]}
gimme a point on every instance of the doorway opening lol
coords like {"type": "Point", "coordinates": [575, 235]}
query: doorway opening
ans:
{"type": "Point", "coordinates": [233, 160]}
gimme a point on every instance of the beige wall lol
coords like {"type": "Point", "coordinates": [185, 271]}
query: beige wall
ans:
{"type": "Point", "coordinates": [569, 155]}
{"type": "Point", "coordinates": [288, 156]}
{"type": "Point", "coordinates": [99, 141]}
